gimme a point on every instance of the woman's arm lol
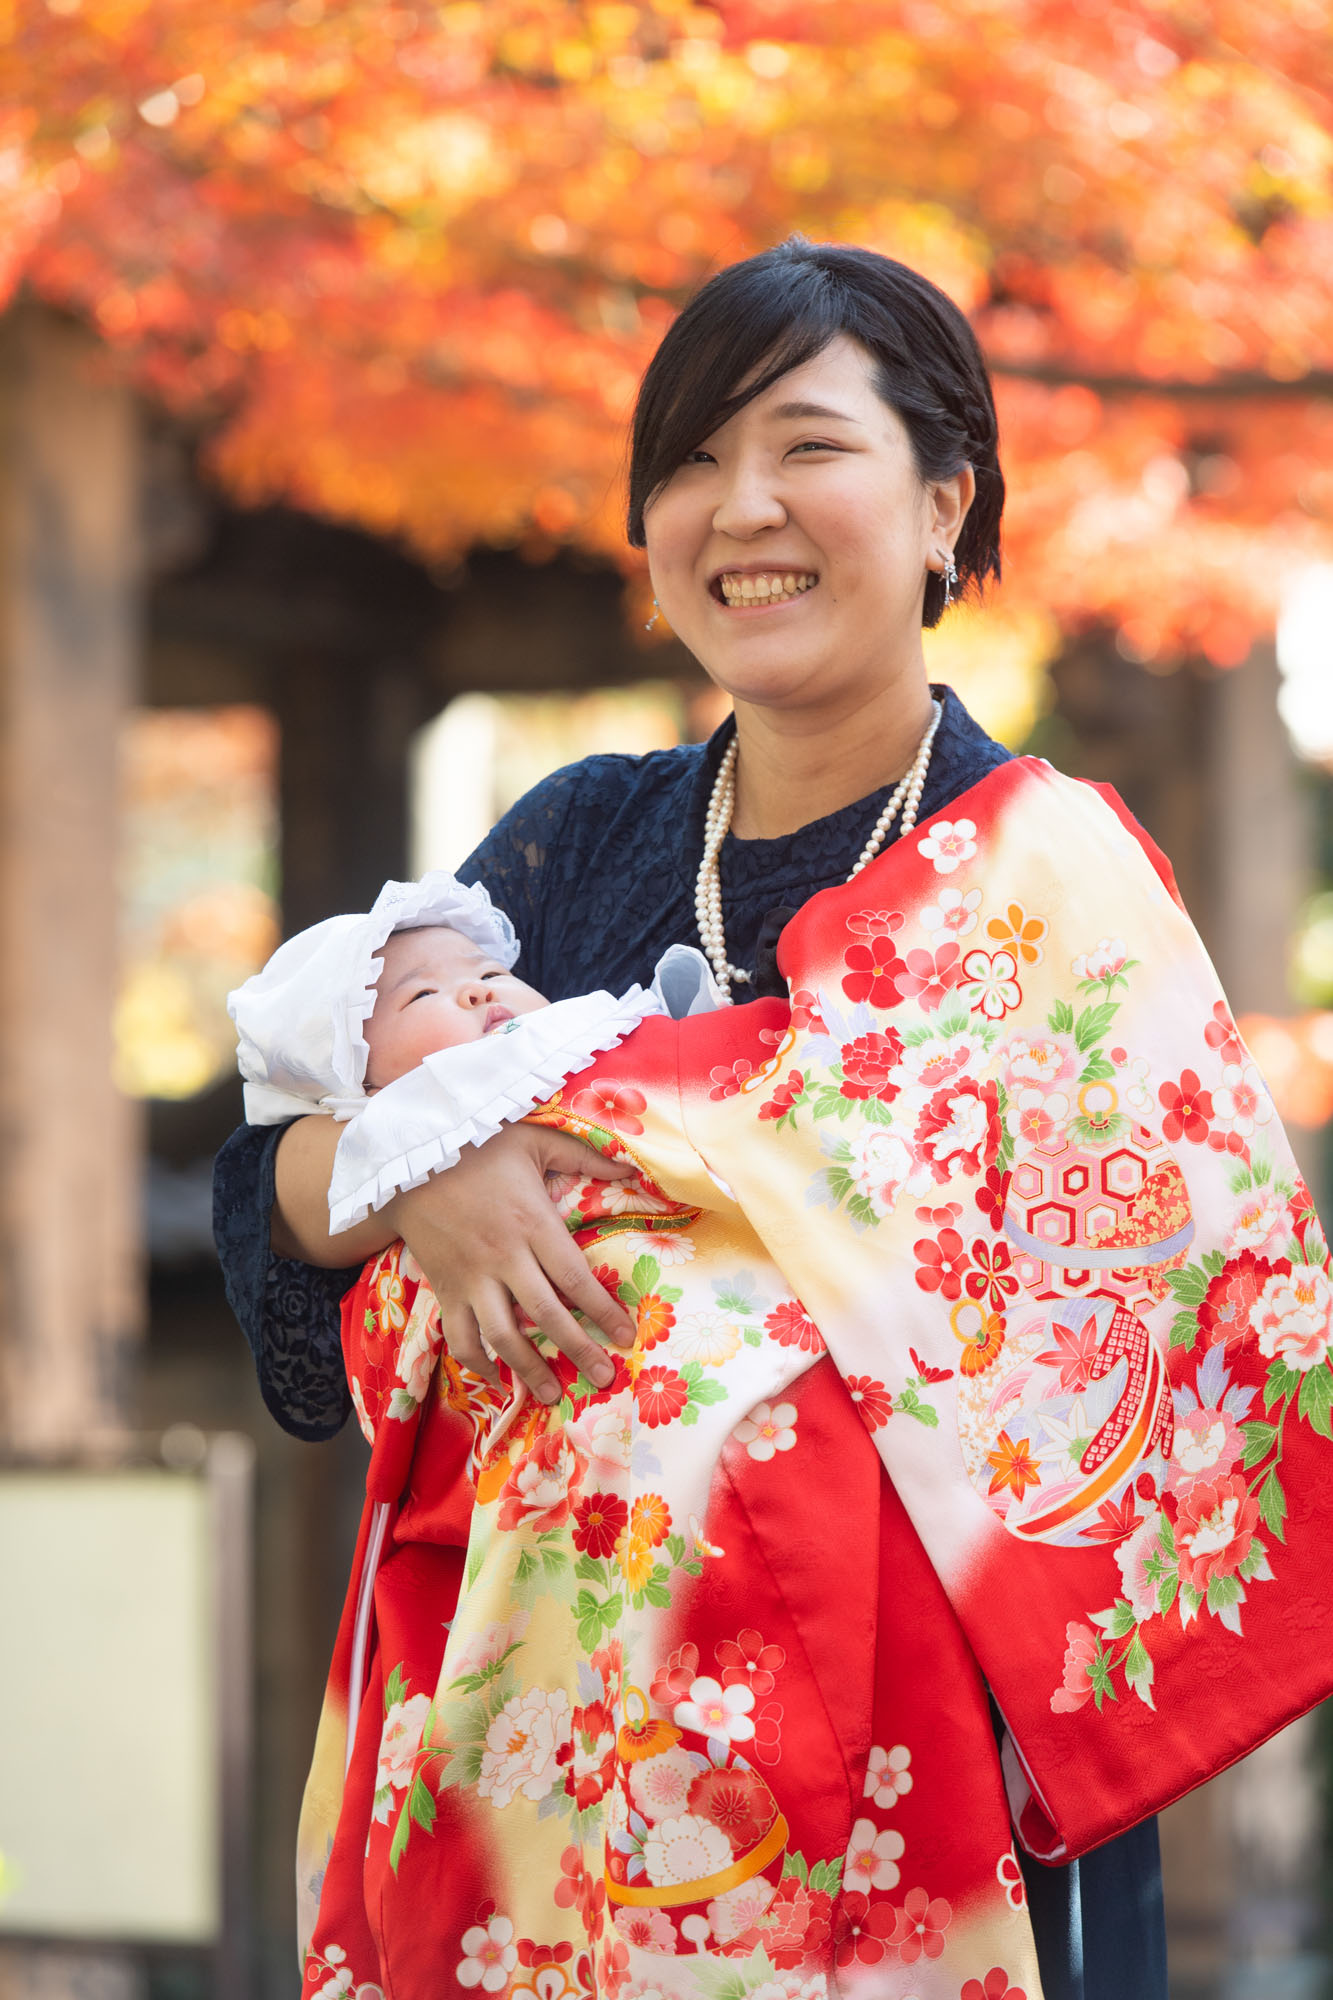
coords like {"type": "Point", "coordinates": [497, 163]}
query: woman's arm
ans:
{"type": "Point", "coordinates": [485, 1234]}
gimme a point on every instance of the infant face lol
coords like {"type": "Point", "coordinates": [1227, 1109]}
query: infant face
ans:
{"type": "Point", "coordinates": [437, 989]}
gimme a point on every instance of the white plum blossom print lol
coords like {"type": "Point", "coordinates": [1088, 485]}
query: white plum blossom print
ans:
{"type": "Point", "coordinates": [1105, 959]}
{"type": "Point", "coordinates": [888, 1775]}
{"type": "Point", "coordinates": [685, 1849]}
{"type": "Point", "coordinates": [952, 914]}
{"type": "Point", "coordinates": [362, 1414]}
{"type": "Point", "coordinates": [769, 1428]}
{"type": "Point", "coordinates": [716, 1711]}
{"type": "Point", "coordinates": [873, 1857]}
{"type": "Point", "coordinates": [1242, 1104]}
{"type": "Point", "coordinates": [1293, 1317]}
{"type": "Point", "coordinates": [526, 1747]}
{"type": "Point", "coordinates": [489, 1955]}
{"type": "Point", "coordinates": [990, 984]}
{"type": "Point", "coordinates": [948, 844]}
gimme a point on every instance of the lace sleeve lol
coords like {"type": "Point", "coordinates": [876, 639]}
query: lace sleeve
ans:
{"type": "Point", "coordinates": [289, 1312]}
{"type": "Point", "coordinates": [521, 860]}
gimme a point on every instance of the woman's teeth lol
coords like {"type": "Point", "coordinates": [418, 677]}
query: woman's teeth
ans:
{"type": "Point", "coordinates": [770, 588]}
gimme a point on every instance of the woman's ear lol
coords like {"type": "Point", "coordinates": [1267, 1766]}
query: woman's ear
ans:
{"type": "Point", "coordinates": [950, 500]}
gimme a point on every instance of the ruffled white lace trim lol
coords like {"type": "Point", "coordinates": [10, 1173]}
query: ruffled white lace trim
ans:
{"type": "Point", "coordinates": [460, 1097]}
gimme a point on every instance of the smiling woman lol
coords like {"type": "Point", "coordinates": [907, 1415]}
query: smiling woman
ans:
{"type": "Point", "coordinates": [814, 478]}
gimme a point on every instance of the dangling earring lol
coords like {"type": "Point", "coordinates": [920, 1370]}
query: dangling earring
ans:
{"type": "Point", "coordinates": [657, 613]}
{"type": "Point", "coordinates": [950, 574]}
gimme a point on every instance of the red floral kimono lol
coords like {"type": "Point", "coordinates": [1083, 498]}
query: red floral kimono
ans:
{"type": "Point", "coordinates": [664, 1691]}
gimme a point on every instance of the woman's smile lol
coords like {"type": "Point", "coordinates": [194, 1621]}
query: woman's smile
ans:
{"type": "Point", "coordinates": [761, 589]}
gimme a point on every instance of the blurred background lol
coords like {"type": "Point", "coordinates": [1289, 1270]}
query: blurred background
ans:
{"type": "Point", "coordinates": [321, 324]}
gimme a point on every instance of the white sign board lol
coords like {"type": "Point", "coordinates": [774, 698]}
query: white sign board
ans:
{"type": "Point", "coordinates": [109, 1753]}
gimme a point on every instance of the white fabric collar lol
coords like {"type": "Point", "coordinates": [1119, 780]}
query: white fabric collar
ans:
{"type": "Point", "coordinates": [299, 1021]}
{"type": "Point", "coordinates": [418, 1125]}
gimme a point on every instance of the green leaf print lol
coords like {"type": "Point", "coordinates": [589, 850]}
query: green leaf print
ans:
{"type": "Point", "coordinates": [794, 1864]}
{"type": "Point", "coordinates": [909, 1404]}
{"type": "Point", "coordinates": [1118, 1622]}
{"type": "Point", "coordinates": [827, 1875]}
{"type": "Point", "coordinates": [420, 1805]}
{"type": "Point", "coordinates": [395, 1688]}
{"type": "Point", "coordinates": [1316, 1398]}
{"type": "Point", "coordinates": [1060, 1020]}
{"type": "Point", "coordinates": [1139, 1670]}
{"type": "Point", "coordinates": [1093, 1023]}
{"type": "Point", "coordinates": [1282, 1384]}
{"type": "Point", "coordinates": [1273, 1505]}
{"type": "Point", "coordinates": [1259, 1441]}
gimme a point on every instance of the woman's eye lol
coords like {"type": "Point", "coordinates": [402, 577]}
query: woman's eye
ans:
{"type": "Point", "coordinates": [698, 457]}
{"type": "Point", "coordinates": [812, 444]}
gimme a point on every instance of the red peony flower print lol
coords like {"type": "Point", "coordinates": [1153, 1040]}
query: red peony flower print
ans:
{"type": "Point", "coordinates": [653, 1320]}
{"type": "Point", "coordinates": [738, 1801]}
{"type": "Point", "coordinates": [746, 1661]}
{"type": "Point", "coordinates": [1081, 1651]}
{"type": "Point", "coordinates": [1224, 1316]}
{"type": "Point", "coordinates": [540, 1491]}
{"type": "Point", "coordinates": [613, 1104]}
{"type": "Point", "coordinates": [794, 1927]}
{"type": "Point", "coordinates": [1221, 1034]}
{"type": "Point", "coordinates": [673, 1681]}
{"type": "Point", "coordinates": [872, 973]}
{"type": "Point", "coordinates": [992, 1277]}
{"type": "Point", "coordinates": [941, 1263]}
{"type": "Point", "coordinates": [992, 1195]}
{"type": "Point", "coordinates": [919, 1926]}
{"type": "Point", "coordinates": [928, 976]}
{"type": "Point", "coordinates": [784, 1097]}
{"type": "Point", "coordinates": [592, 1767]}
{"type": "Point", "coordinates": [864, 1928]}
{"type": "Point", "coordinates": [1189, 1109]}
{"type": "Point", "coordinates": [1215, 1523]}
{"type": "Point", "coordinates": [872, 1399]}
{"type": "Point", "coordinates": [598, 1522]}
{"type": "Point", "coordinates": [995, 1986]}
{"type": "Point", "coordinates": [867, 1063]}
{"type": "Point", "coordinates": [791, 1326]}
{"type": "Point", "coordinates": [661, 1395]}
{"type": "Point", "coordinates": [959, 1129]}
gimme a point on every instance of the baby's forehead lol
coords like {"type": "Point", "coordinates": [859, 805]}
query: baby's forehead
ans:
{"type": "Point", "coordinates": [430, 946]}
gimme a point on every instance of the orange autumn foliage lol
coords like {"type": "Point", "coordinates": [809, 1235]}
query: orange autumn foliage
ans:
{"type": "Point", "coordinates": [407, 263]}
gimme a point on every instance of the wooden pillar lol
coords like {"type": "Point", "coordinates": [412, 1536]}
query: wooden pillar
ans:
{"type": "Point", "coordinates": [70, 1297]}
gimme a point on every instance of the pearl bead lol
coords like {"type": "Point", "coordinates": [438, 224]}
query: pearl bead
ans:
{"type": "Point", "coordinates": [717, 821]}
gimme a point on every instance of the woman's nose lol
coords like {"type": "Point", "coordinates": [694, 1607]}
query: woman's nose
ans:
{"type": "Point", "coordinates": [749, 504]}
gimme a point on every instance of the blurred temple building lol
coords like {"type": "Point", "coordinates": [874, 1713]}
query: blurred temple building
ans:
{"type": "Point", "coordinates": [219, 727]}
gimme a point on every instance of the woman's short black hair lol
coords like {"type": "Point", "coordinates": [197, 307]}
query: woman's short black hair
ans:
{"type": "Point", "coordinates": [774, 312]}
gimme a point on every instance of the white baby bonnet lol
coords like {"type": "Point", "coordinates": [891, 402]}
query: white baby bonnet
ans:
{"type": "Point", "coordinates": [299, 1021]}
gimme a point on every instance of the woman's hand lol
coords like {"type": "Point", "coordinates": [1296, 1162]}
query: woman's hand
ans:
{"type": "Point", "coordinates": [487, 1235]}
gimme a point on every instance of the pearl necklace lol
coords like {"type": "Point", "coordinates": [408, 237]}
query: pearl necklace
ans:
{"type": "Point", "coordinates": [717, 822]}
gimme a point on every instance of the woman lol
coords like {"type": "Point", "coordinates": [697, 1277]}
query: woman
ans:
{"type": "Point", "coordinates": [814, 476]}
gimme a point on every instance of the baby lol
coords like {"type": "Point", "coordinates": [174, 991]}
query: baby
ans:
{"type": "Point", "coordinates": [408, 1024]}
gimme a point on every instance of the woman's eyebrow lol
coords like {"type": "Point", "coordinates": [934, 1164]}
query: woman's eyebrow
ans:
{"type": "Point", "coordinates": [818, 410]}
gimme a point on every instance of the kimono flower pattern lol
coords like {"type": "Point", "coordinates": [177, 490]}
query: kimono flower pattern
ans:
{"type": "Point", "coordinates": [1002, 1184]}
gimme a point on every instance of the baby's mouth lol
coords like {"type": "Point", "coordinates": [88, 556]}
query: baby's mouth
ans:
{"type": "Point", "coordinates": [747, 589]}
{"type": "Point", "coordinates": [496, 1017]}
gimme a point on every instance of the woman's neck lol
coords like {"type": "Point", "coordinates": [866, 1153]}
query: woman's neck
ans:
{"type": "Point", "coordinates": [792, 769]}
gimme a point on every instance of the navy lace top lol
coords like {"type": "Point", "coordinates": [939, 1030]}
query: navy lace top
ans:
{"type": "Point", "coordinates": [596, 867]}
